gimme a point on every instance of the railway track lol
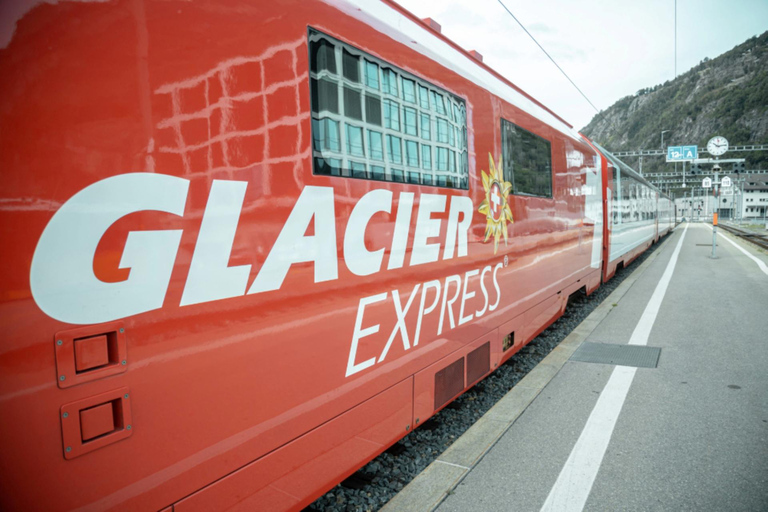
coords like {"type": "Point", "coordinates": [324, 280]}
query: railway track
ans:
{"type": "Point", "coordinates": [761, 240]}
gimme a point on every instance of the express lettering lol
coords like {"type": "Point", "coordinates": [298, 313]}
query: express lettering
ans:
{"type": "Point", "coordinates": [65, 287]}
{"type": "Point", "coordinates": [453, 289]}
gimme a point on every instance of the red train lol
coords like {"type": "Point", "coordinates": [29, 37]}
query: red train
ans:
{"type": "Point", "coordinates": [248, 246]}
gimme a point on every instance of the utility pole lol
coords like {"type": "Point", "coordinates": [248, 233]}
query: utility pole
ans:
{"type": "Point", "coordinates": [715, 189]}
{"type": "Point", "coordinates": [683, 174]}
{"type": "Point", "coordinates": [716, 186]}
{"type": "Point", "coordinates": [691, 215]}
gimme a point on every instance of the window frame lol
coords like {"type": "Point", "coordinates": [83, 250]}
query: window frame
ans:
{"type": "Point", "coordinates": [511, 175]}
{"type": "Point", "coordinates": [455, 176]}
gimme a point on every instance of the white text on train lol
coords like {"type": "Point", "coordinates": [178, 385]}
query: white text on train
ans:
{"type": "Point", "coordinates": [464, 289]}
{"type": "Point", "coordinates": [65, 287]}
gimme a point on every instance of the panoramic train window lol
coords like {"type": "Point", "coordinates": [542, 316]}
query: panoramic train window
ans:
{"type": "Point", "coordinates": [374, 121]}
{"type": "Point", "coordinates": [527, 161]}
{"type": "Point", "coordinates": [633, 200]}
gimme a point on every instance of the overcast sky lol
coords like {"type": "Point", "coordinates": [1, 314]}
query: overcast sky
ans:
{"type": "Point", "coordinates": [610, 48]}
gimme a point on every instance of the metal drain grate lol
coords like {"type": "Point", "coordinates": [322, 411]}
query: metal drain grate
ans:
{"type": "Point", "coordinates": [622, 355]}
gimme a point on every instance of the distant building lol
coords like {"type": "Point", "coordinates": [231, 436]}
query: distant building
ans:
{"type": "Point", "coordinates": [746, 200]}
{"type": "Point", "coordinates": [754, 199]}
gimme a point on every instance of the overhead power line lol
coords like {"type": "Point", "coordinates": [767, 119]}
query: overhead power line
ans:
{"type": "Point", "coordinates": [553, 60]}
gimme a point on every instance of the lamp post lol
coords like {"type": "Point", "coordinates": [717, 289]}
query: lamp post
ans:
{"type": "Point", "coordinates": [662, 138]}
{"type": "Point", "coordinates": [690, 218]}
{"type": "Point", "coordinates": [662, 145]}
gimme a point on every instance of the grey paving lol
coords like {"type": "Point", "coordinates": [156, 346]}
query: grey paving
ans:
{"type": "Point", "coordinates": [693, 432]}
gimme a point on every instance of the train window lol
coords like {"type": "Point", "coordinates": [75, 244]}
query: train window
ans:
{"type": "Point", "coordinates": [442, 130]}
{"type": "Point", "coordinates": [527, 160]}
{"type": "Point", "coordinates": [323, 58]}
{"type": "Point", "coordinates": [373, 109]}
{"type": "Point", "coordinates": [325, 96]}
{"type": "Point", "coordinates": [375, 146]}
{"type": "Point", "coordinates": [394, 153]}
{"type": "Point", "coordinates": [358, 170]}
{"type": "Point", "coordinates": [372, 120]}
{"type": "Point", "coordinates": [389, 80]}
{"type": "Point", "coordinates": [391, 115]}
{"type": "Point", "coordinates": [352, 106]}
{"type": "Point", "coordinates": [437, 101]}
{"type": "Point", "coordinates": [425, 129]}
{"type": "Point", "coordinates": [442, 159]}
{"type": "Point", "coordinates": [355, 140]}
{"type": "Point", "coordinates": [412, 153]}
{"type": "Point", "coordinates": [371, 75]}
{"type": "Point", "coordinates": [409, 120]}
{"type": "Point", "coordinates": [409, 90]}
{"type": "Point", "coordinates": [330, 166]}
{"type": "Point", "coordinates": [426, 157]}
{"type": "Point", "coordinates": [351, 67]}
{"type": "Point", "coordinates": [423, 97]}
{"type": "Point", "coordinates": [326, 135]}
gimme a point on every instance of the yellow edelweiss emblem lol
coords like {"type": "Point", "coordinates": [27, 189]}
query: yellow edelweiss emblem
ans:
{"type": "Point", "coordinates": [495, 206]}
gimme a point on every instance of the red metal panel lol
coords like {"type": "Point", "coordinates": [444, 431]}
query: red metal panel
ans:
{"type": "Point", "coordinates": [96, 421]}
{"type": "Point", "coordinates": [86, 424]}
{"type": "Point", "coordinates": [91, 352]}
{"type": "Point", "coordinates": [425, 404]}
{"type": "Point", "coordinates": [295, 474]}
{"type": "Point", "coordinates": [198, 98]}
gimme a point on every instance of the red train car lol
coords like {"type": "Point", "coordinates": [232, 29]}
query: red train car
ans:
{"type": "Point", "coordinates": [637, 214]}
{"type": "Point", "coordinates": [248, 246]}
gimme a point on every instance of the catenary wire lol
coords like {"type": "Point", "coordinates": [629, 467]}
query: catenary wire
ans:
{"type": "Point", "coordinates": [553, 61]}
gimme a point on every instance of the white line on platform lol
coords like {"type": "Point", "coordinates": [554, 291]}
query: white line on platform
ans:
{"type": "Point", "coordinates": [573, 485]}
{"type": "Point", "coordinates": [760, 264]}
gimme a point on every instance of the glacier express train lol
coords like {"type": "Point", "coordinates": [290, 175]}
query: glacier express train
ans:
{"type": "Point", "coordinates": [250, 245]}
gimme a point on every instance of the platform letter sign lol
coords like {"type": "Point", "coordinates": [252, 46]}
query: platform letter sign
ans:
{"type": "Point", "coordinates": [726, 182]}
{"type": "Point", "coordinates": [706, 183]}
{"type": "Point", "coordinates": [682, 153]}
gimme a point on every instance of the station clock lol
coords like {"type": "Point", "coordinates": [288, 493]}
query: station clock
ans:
{"type": "Point", "coordinates": [717, 145]}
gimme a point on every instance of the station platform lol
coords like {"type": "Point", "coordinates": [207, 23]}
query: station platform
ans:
{"type": "Point", "coordinates": [671, 414]}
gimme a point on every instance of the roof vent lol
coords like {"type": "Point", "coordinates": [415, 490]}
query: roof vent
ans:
{"type": "Point", "coordinates": [433, 24]}
{"type": "Point", "coordinates": [476, 54]}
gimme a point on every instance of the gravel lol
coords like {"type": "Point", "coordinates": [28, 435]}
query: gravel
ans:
{"type": "Point", "coordinates": [379, 480]}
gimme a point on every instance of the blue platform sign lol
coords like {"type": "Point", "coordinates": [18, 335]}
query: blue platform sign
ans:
{"type": "Point", "coordinates": [681, 153]}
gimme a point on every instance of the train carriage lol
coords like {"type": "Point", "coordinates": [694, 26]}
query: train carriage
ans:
{"type": "Point", "coordinates": [255, 244]}
{"type": "Point", "coordinates": [632, 211]}
{"type": "Point", "coordinates": [667, 214]}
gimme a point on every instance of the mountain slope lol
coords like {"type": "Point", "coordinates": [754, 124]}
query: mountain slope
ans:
{"type": "Point", "coordinates": [725, 96]}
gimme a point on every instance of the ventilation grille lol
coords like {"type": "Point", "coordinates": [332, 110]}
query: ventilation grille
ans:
{"type": "Point", "coordinates": [449, 382]}
{"type": "Point", "coordinates": [478, 363]}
